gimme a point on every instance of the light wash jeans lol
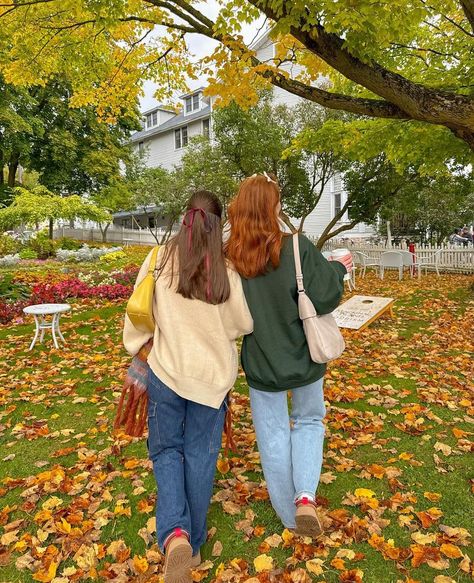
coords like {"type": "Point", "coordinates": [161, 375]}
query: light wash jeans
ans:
{"type": "Point", "coordinates": [291, 456]}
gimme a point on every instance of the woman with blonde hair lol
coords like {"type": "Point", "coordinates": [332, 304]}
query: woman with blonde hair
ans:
{"type": "Point", "coordinates": [275, 356]}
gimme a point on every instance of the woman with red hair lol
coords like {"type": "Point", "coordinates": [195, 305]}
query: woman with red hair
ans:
{"type": "Point", "coordinates": [275, 356]}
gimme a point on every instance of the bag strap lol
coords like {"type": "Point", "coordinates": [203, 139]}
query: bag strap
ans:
{"type": "Point", "coordinates": [299, 272]}
{"type": "Point", "coordinates": [153, 258]}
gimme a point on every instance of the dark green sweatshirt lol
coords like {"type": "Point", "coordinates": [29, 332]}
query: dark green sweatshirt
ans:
{"type": "Point", "coordinates": [275, 357]}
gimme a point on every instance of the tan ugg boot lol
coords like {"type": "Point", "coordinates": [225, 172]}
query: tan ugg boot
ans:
{"type": "Point", "coordinates": [307, 521]}
{"type": "Point", "coordinates": [196, 560]}
{"type": "Point", "coordinates": [178, 555]}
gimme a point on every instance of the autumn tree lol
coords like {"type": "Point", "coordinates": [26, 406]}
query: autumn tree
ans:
{"type": "Point", "coordinates": [404, 67]}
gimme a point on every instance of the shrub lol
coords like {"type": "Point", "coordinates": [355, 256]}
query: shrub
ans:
{"type": "Point", "coordinates": [13, 290]}
{"type": "Point", "coordinates": [70, 244]}
{"type": "Point", "coordinates": [43, 245]}
{"type": "Point", "coordinates": [8, 245]}
{"type": "Point", "coordinates": [28, 254]}
{"type": "Point", "coordinates": [9, 260]}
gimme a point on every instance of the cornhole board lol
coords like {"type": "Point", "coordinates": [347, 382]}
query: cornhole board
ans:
{"type": "Point", "coordinates": [360, 311]}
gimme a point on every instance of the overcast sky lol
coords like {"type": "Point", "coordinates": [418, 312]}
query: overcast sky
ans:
{"type": "Point", "coordinates": [200, 46]}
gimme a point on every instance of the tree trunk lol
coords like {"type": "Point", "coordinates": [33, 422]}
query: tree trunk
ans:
{"type": "Point", "coordinates": [2, 163]}
{"type": "Point", "coordinates": [103, 231]}
{"type": "Point", "coordinates": [286, 219]}
{"type": "Point", "coordinates": [12, 168]}
{"type": "Point", "coordinates": [329, 235]}
{"type": "Point", "coordinates": [51, 227]}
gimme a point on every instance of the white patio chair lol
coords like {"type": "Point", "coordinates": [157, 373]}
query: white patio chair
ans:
{"type": "Point", "coordinates": [408, 261]}
{"type": "Point", "coordinates": [431, 261]}
{"type": "Point", "coordinates": [391, 260]}
{"type": "Point", "coordinates": [364, 261]}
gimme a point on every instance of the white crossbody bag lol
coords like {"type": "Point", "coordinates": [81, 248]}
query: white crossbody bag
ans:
{"type": "Point", "coordinates": [325, 341]}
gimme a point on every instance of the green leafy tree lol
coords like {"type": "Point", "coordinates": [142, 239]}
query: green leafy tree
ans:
{"type": "Point", "coordinates": [205, 167]}
{"type": "Point", "coordinates": [430, 208]}
{"type": "Point", "coordinates": [71, 149]}
{"type": "Point", "coordinates": [254, 140]}
{"type": "Point", "coordinates": [115, 197]}
{"type": "Point", "coordinates": [159, 193]}
{"type": "Point", "coordinates": [32, 207]}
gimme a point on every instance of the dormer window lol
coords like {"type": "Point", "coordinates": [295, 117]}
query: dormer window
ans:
{"type": "Point", "coordinates": [192, 103]}
{"type": "Point", "coordinates": [151, 120]}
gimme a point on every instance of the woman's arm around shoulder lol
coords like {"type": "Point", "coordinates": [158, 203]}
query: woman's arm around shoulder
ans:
{"type": "Point", "coordinates": [324, 280]}
{"type": "Point", "coordinates": [134, 339]}
{"type": "Point", "coordinates": [235, 312]}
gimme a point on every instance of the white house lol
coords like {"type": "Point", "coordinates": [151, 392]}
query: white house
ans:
{"type": "Point", "coordinates": [166, 133]}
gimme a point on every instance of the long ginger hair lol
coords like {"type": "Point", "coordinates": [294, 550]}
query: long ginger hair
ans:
{"type": "Point", "coordinates": [197, 249]}
{"type": "Point", "coordinates": [255, 238]}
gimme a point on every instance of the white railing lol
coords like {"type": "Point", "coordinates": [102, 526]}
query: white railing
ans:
{"type": "Point", "coordinates": [114, 235]}
{"type": "Point", "coordinates": [452, 258]}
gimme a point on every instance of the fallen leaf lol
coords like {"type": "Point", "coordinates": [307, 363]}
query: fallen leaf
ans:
{"type": "Point", "coordinates": [263, 563]}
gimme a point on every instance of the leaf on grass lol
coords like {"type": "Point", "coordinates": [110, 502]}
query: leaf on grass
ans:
{"type": "Point", "coordinates": [315, 566]}
{"type": "Point", "coordinates": [443, 447]}
{"type": "Point", "coordinates": [217, 549]}
{"type": "Point", "coordinates": [364, 493]}
{"type": "Point", "coordinates": [451, 551]}
{"type": "Point", "coordinates": [263, 563]}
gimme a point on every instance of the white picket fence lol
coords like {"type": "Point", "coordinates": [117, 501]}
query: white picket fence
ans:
{"type": "Point", "coordinates": [114, 235]}
{"type": "Point", "coordinates": [451, 258]}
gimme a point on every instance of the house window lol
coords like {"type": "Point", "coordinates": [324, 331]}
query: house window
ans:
{"type": "Point", "coordinates": [152, 120]}
{"type": "Point", "coordinates": [141, 147]}
{"type": "Point", "coordinates": [337, 203]}
{"type": "Point", "coordinates": [181, 138]}
{"type": "Point", "coordinates": [191, 103]}
{"type": "Point", "coordinates": [206, 127]}
{"type": "Point", "coordinates": [151, 222]}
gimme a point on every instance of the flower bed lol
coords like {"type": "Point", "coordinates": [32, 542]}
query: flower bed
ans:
{"type": "Point", "coordinates": [62, 288]}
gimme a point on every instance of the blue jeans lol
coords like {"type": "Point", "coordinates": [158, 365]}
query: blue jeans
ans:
{"type": "Point", "coordinates": [291, 454]}
{"type": "Point", "coordinates": [184, 439]}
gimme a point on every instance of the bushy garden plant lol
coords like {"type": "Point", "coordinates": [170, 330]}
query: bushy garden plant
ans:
{"type": "Point", "coordinates": [28, 254]}
{"type": "Point", "coordinates": [43, 245]}
{"type": "Point", "coordinates": [8, 245]}
{"type": "Point", "coordinates": [9, 260]}
{"type": "Point", "coordinates": [68, 243]}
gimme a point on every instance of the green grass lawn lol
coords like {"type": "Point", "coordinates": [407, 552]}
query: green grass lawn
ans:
{"type": "Point", "coordinates": [399, 424]}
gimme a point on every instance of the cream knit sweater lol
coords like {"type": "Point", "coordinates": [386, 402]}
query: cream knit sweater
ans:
{"type": "Point", "coordinates": [194, 351]}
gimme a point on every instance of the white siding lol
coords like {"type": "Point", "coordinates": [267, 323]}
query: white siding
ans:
{"type": "Point", "coordinates": [160, 147]}
{"type": "Point", "coordinates": [264, 50]}
{"type": "Point", "coordinates": [165, 116]}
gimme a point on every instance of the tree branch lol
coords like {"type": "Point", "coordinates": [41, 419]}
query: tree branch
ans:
{"type": "Point", "coordinates": [402, 46]}
{"type": "Point", "coordinates": [417, 101]}
{"type": "Point", "coordinates": [196, 25]}
{"type": "Point", "coordinates": [468, 9]}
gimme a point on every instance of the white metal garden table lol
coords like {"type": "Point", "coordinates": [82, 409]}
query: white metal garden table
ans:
{"type": "Point", "coordinates": [39, 312]}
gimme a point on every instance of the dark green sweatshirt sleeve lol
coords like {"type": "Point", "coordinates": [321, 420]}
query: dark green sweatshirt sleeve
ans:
{"type": "Point", "coordinates": [323, 279]}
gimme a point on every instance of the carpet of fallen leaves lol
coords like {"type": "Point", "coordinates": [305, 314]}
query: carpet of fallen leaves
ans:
{"type": "Point", "coordinates": [395, 496]}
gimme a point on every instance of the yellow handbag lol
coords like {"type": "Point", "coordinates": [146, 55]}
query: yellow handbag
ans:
{"type": "Point", "coordinates": [140, 304]}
